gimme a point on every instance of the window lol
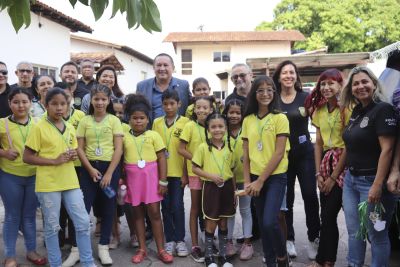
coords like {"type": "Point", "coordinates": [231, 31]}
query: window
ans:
{"type": "Point", "coordinates": [186, 61]}
{"type": "Point", "coordinates": [143, 75]}
{"type": "Point", "coordinates": [222, 56]}
{"type": "Point", "coordinates": [219, 94]}
{"type": "Point", "coordinates": [45, 70]}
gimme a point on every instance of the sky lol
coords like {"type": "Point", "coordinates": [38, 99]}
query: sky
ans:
{"type": "Point", "coordinates": [176, 16]}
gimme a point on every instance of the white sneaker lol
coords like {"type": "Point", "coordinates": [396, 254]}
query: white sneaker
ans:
{"type": "Point", "coordinates": [104, 255]}
{"type": "Point", "coordinates": [170, 247]}
{"type": "Point", "coordinates": [73, 258]}
{"type": "Point", "coordinates": [312, 249]}
{"type": "Point", "coordinates": [181, 249]}
{"type": "Point", "coordinates": [291, 249]}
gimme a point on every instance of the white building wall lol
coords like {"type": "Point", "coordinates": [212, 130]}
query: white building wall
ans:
{"type": "Point", "coordinates": [48, 45]}
{"type": "Point", "coordinates": [135, 70]}
{"type": "Point", "coordinates": [203, 65]}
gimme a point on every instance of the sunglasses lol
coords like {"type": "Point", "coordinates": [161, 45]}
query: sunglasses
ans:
{"type": "Point", "coordinates": [24, 70]}
{"type": "Point", "coordinates": [237, 76]}
{"type": "Point", "coordinates": [4, 72]}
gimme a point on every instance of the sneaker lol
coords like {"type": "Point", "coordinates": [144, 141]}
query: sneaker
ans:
{"type": "Point", "coordinates": [224, 262]}
{"type": "Point", "coordinates": [246, 252]}
{"type": "Point", "coordinates": [197, 255]}
{"type": "Point", "coordinates": [170, 247]}
{"type": "Point", "coordinates": [73, 258]}
{"type": "Point", "coordinates": [134, 242]}
{"type": "Point", "coordinates": [181, 249]}
{"type": "Point", "coordinates": [291, 249]}
{"type": "Point", "coordinates": [230, 248]}
{"type": "Point", "coordinates": [210, 262]}
{"type": "Point", "coordinates": [312, 249]}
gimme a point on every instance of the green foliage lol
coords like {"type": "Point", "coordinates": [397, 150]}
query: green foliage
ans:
{"type": "Point", "coordinates": [143, 13]}
{"type": "Point", "coordinates": [342, 25]}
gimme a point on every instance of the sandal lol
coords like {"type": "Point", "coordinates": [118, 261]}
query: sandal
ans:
{"type": "Point", "coordinates": [39, 260]}
{"type": "Point", "coordinates": [139, 256]}
{"type": "Point", "coordinates": [165, 257]}
{"type": "Point", "coordinates": [10, 262]}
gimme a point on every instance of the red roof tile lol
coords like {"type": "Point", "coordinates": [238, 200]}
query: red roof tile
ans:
{"type": "Point", "coordinates": [103, 58]}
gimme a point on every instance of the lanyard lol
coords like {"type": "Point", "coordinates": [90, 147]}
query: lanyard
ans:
{"type": "Point", "coordinates": [168, 140]}
{"type": "Point", "coordinates": [236, 139]}
{"type": "Point", "coordinates": [59, 132]}
{"type": "Point", "coordinates": [139, 149]}
{"type": "Point", "coordinates": [198, 129]}
{"type": "Point", "coordinates": [98, 135]}
{"type": "Point", "coordinates": [220, 166]}
{"type": "Point", "coordinates": [331, 127]}
{"type": "Point", "coordinates": [260, 129]}
{"type": "Point", "coordinates": [28, 128]}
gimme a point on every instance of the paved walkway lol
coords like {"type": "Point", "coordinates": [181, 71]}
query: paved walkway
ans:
{"type": "Point", "coordinates": [122, 255]}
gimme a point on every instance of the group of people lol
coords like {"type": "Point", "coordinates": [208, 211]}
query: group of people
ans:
{"type": "Point", "coordinates": [72, 146]}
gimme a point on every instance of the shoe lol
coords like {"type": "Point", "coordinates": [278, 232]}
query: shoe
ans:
{"type": "Point", "coordinates": [10, 262]}
{"type": "Point", "coordinates": [104, 255]}
{"type": "Point", "coordinates": [230, 248]}
{"type": "Point", "coordinates": [139, 256]}
{"type": "Point", "coordinates": [224, 262]}
{"type": "Point", "coordinates": [165, 257]}
{"type": "Point", "coordinates": [312, 249]}
{"type": "Point", "coordinates": [291, 249]}
{"type": "Point", "coordinates": [38, 261]}
{"type": "Point", "coordinates": [170, 247]}
{"type": "Point", "coordinates": [181, 249]}
{"type": "Point", "coordinates": [134, 242]}
{"type": "Point", "coordinates": [210, 262]}
{"type": "Point", "coordinates": [114, 243]}
{"type": "Point", "coordinates": [197, 255]}
{"type": "Point", "coordinates": [246, 252]}
{"type": "Point", "coordinates": [73, 258]}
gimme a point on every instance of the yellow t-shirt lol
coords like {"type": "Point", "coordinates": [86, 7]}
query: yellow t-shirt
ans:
{"type": "Point", "coordinates": [74, 119]}
{"type": "Point", "coordinates": [237, 148]}
{"type": "Point", "coordinates": [146, 146]}
{"type": "Point", "coordinates": [99, 135]}
{"type": "Point", "coordinates": [49, 143]}
{"type": "Point", "coordinates": [18, 134]}
{"type": "Point", "coordinates": [331, 126]}
{"type": "Point", "coordinates": [170, 136]}
{"type": "Point", "coordinates": [126, 128]}
{"type": "Point", "coordinates": [193, 135]}
{"type": "Point", "coordinates": [220, 162]}
{"type": "Point", "coordinates": [274, 124]}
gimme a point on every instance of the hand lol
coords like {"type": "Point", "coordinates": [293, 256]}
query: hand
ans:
{"type": "Point", "coordinates": [162, 190]}
{"type": "Point", "coordinates": [217, 179]}
{"type": "Point", "coordinates": [254, 188]}
{"type": "Point", "coordinates": [106, 180]}
{"type": "Point", "coordinates": [320, 182]}
{"type": "Point", "coordinates": [393, 182]}
{"type": "Point", "coordinates": [374, 194]}
{"type": "Point", "coordinates": [11, 154]}
{"type": "Point", "coordinates": [328, 185]}
{"type": "Point", "coordinates": [62, 158]}
{"type": "Point", "coordinates": [73, 155]}
{"type": "Point", "coordinates": [95, 174]}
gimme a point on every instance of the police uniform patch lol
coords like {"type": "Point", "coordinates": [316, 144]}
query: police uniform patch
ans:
{"type": "Point", "coordinates": [364, 122]}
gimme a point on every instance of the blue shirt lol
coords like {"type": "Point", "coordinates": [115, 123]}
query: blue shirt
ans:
{"type": "Point", "coordinates": [156, 103]}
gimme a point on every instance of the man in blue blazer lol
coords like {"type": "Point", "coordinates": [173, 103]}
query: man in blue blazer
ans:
{"type": "Point", "coordinates": [153, 88]}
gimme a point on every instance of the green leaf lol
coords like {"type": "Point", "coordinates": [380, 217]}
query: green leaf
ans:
{"type": "Point", "coordinates": [85, 2]}
{"type": "Point", "coordinates": [73, 3]}
{"type": "Point", "coordinates": [19, 13]}
{"type": "Point", "coordinates": [116, 6]}
{"type": "Point", "coordinates": [98, 7]}
{"type": "Point", "coordinates": [5, 3]}
{"type": "Point", "coordinates": [154, 16]}
{"type": "Point", "coordinates": [131, 5]}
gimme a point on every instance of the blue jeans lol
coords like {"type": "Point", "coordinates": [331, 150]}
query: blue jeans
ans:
{"type": "Point", "coordinates": [173, 211]}
{"type": "Point", "coordinates": [355, 191]}
{"type": "Point", "coordinates": [20, 203]}
{"type": "Point", "coordinates": [50, 203]}
{"type": "Point", "coordinates": [268, 205]}
{"type": "Point", "coordinates": [92, 191]}
{"type": "Point", "coordinates": [302, 166]}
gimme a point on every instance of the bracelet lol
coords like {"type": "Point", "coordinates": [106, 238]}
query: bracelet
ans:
{"type": "Point", "coordinates": [163, 182]}
{"type": "Point", "coordinates": [317, 174]}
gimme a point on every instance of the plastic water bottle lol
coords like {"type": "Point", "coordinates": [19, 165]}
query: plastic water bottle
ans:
{"type": "Point", "coordinates": [121, 194]}
{"type": "Point", "coordinates": [108, 190]}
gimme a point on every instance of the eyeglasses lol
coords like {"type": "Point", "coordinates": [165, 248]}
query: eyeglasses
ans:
{"type": "Point", "coordinates": [4, 72]}
{"type": "Point", "coordinates": [241, 76]}
{"type": "Point", "coordinates": [25, 70]}
{"type": "Point", "coordinates": [265, 92]}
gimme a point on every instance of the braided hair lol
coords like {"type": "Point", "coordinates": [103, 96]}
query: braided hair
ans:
{"type": "Point", "coordinates": [214, 116]}
{"type": "Point", "coordinates": [136, 102]}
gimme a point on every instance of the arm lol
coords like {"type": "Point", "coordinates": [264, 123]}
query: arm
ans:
{"type": "Point", "coordinates": [162, 171]}
{"type": "Point", "coordinates": [393, 182]}
{"type": "Point", "coordinates": [94, 173]}
{"type": "Point", "coordinates": [329, 183]}
{"type": "Point", "coordinates": [185, 175]}
{"type": "Point", "coordinates": [318, 150]}
{"type": "Point", "coordinates": [116, 158]}
{"type": "Point", "coordinates": [30, 157]}
{"type": "Point", "coordinates": [213, 177]}
{"type": "Point", "coordinates": [255, 187]}
{"type": "Point", "coordinates": [246, 163]}
{"type": "Point", "coordinates": [183, 151]}
{"type": "Point", "coordinates": [387, 143]}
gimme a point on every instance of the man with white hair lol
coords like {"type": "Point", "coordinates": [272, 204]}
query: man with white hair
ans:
{"type": "Point", "coordinates": [24, 72]}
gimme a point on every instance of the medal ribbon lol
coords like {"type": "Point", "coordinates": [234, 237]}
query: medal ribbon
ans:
{"type": "Point", "coordinates": [28, 128]}
{"type": "Point", "coordinates": [236, 139]}
{"type": "Point", "coordinates": [98, 135]}
{"type": "Point", "coordinates": [139, 149]}
{"type": "Point", "coordinates": [59, 132]}
{"type": "Point", "coordinates": [260, 129]}
{"type": "Point", "coordinates": [168, 140]}
{"type": "Point", "coordinates": [331, 126]}
{"type": "Point", "coordinates": [198, 129]}
{"type": "Point", "coordinates": [220, 168]}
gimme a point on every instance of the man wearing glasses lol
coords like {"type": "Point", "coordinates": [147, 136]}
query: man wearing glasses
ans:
{"type": "Point", "coordinates": [241, 77]}
{"type": "Point", "coordinates": [4, 90]}
{"type": "Point", "coordinates": [24, 73]}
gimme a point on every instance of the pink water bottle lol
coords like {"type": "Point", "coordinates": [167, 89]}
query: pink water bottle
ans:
{"type": "Point", "coordinates": [121, 194]}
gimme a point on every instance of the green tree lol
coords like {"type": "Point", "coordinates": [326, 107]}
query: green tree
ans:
{"type": "Point", "coordinates": [138, 12]}
{"type": "Point", "coordinates": [342, 25]}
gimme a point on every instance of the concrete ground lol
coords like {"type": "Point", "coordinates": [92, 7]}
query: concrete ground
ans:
{"type": "Point", "coordinates": [122, 255]}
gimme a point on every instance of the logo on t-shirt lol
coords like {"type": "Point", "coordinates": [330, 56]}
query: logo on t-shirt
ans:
{"type": "Point", "coordinates": [364, 122]}
{"type": "Point", "coordinates": [302, 111]}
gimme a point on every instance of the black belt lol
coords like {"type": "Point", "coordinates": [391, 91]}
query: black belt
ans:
{"type": "Point", "coordinates": [362, 172]}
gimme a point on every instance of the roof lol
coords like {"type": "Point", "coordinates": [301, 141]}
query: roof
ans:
{"type": "Point", "coordinates": [253, 36]}
{"type": "Point", "coordinates": [52, 14]}
{"type": "Point", "coordinates": [103, 58]}
{"type": "Point", "coordinates": [123, 48]}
